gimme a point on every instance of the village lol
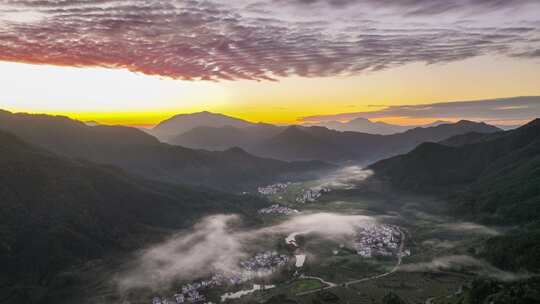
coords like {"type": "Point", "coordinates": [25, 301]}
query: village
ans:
{"type": "Point", "coordinates": [308, 195]}
{"type": "Point", "coordinates": [260, 265]}
{"type": "Point", "coordinates": [278, 209]}
{"type": "Point", "coordinates": [369, 241]}
{"type": "Point", "coordinates": [377, 240]}
{"type": "Point", "coordinates": [274, 188]}
{"type": "Point", "coordinates": [311, 195]}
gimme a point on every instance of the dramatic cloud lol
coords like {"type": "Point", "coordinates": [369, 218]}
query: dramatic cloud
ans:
{"type": "Point", "coordinates": [425, 7]}
{"type": "Point", "coordinates": [493, 110]}
{"type": "Point", "coordinates": [253, 39]}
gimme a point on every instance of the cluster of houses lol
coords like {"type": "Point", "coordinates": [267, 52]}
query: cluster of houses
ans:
{"type": "Point", "coordinates": [311, 195]}
{"type": "Point", "coordinates": [181, 298]}
{"type": "Point", "coordinates": [278, 209]}
{"type": "Point", "coordinates": [262, 264]}
{"type": "Point", "coordinates": [273, 189]}
{"type": "Point", "coordinates": [305, 196]}
{"type": "Point", "coordinates": [191, 293]}
{"type": "Point", "coordinates": [377, 240]}
{"type": "Point", "coordinates": [265, 262]}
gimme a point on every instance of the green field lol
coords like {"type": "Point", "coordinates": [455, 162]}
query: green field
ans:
{"type": "Point", "coordinates": [429, 235]}
{"type": "Point", "coordinates": [305, 285]}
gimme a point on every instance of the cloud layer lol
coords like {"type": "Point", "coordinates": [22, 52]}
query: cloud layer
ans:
{"type": "Point", "coordinates": [215, 246]}
{"type": "Point", "coordinates": [253, 39]}
{"type": "Point", "coordinates": [493, 110]}
{"type": "Point", "coordinates": [461, 263]}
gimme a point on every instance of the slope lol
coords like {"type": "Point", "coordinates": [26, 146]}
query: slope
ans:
{"type": "Point", "coordinates": [142, 154]}
{"type": "Point", "coordinates": [56, 213]}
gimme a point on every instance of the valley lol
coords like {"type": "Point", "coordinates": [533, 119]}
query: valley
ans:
{"type": "Point", "coordinates": [269, 152]}
{"type": "Point", "coordinates": [381, 239]}
{"type": "Point", "coordinates": [271, 231]}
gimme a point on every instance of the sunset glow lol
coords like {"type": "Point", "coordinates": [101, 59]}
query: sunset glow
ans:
{"type": "Point", "coordinates": [121, 97]}
{"type": "Point", "coordinates": [269, 151]}
{"type": "Point", "coordinates": [262, 62]}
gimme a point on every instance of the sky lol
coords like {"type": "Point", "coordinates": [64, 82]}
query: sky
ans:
{"type": "Point", "coordinates": [279, 61]}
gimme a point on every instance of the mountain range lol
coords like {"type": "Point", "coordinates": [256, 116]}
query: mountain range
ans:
{"type": "Point", "coordinates": [179, 124]}
{"type": "Point", "coordinates": [294, 143]}
{"type": "Point", "coordinates": [74, 194]}
{"type": "Point", "coordinates": [142, 154]}
{"type": "Point", "coordinates": [499, 171]}
{"type": "Point", "coordinates": [58, 212]}
{"type": "Point", "coordinates": [491, 179]}
{"type": "Point", "coordinates": [182, 123]}
{"type": "Point", "coordinates": [365, 125]}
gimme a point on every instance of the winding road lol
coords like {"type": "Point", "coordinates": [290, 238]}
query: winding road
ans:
{"type": "Point", "coordinates": [347, 284]}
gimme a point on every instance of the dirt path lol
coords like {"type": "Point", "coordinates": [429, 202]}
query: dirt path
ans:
{"type": "Point", "coordinates": [394, 269]}
{"type": "Point", "coordinates": [331, 285]}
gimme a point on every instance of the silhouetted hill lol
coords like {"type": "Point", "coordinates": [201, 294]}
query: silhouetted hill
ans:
{"type": "Point", "coordinates": [493, 179]}
{"type": "Point", "coordinates": [330, 145]}
{"type": "Point", "coordinates": [463, 139]}
{"type": "Point", "coordinates": [444, 131]}
{"type": "Point", "coordinates": [182, 123]}
{"type": "Point", "coordinates": [321, 143]}
{"type": "Point", "coordinates": [484, 290]}
{"type": "Point", "coordinates": [222, 138]}
{"type": "Point", "coordinates": [299, 143]}
{"type": "Point", "coordinates": [58, 212]}
{"type": "Point", "coordinates": [363, 125]}
{"type": "Point", "coordinates": [500, 173]}
{"type": "Point", "coordinates": [142, 154]}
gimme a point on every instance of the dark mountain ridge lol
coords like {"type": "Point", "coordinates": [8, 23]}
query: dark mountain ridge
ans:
{"type": "Point", "coordinates": [363, 125]}
{"type": "Point", "coordinates": [320, 143]}
{"type": "Point", "coordinates": [499, 173]}
{"type": "Point", "coordinates": [58, 212]}
{"type": "Point", "coordinates": [142, 154]}
{"type": "Point", "coordinates": [330, 145]}
{"type": "Point", "coordinates": [493, 179]}
{"type": "Point", "coordinates": [182, 123]}
{"type": "Point", "coordinates": [222, 138]}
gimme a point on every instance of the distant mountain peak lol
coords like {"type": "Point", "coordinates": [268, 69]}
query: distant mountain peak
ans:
{"type": "Point", "coordinates": [367, 121]}
{"type": "Point", "coordinates": [182, 123]}
{"type": "Point", "coordinates": [363, 125]}
{"type": "Point", "coordinates": [294, 130]}
{"type": "Point", "coordinates": [201, 113]}
{"type": "Point", "coordinates": [360, 119]}
{"type": "Point", "coordinates": [534, 123]}
{"type": "Point", "coordinates": [467, 122]}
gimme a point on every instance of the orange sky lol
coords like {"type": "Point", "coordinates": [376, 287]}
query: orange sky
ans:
{"type": "Point", "coordinates": [122, 97]}
{"type": "Point", "coordinates": [139, 62]}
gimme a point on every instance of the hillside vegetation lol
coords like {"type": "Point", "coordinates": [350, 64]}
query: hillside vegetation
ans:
{"type": "Point", "coordinates": [58, 212]}
{"type": "Point", "coordinates": [142, 154]}
{"type": "Point", "coordinates": [494, 180]}
{"type": "Point", "coordinates": [295, 143]}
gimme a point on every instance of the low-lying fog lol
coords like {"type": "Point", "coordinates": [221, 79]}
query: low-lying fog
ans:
{"type": "Point", "coordinates": [218, 243]}
{"type": "Point", "coordinates": [344, 178]}
{"type": "Point", "coordinates": [463, 262]}
{"type": "Point", "coordinates": [215, 244]}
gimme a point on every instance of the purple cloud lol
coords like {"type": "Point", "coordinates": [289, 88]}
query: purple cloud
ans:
{"type": "Point", "coordinates": [496, 110]}
{"type": "Point", "coordinates": [243, 39]}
